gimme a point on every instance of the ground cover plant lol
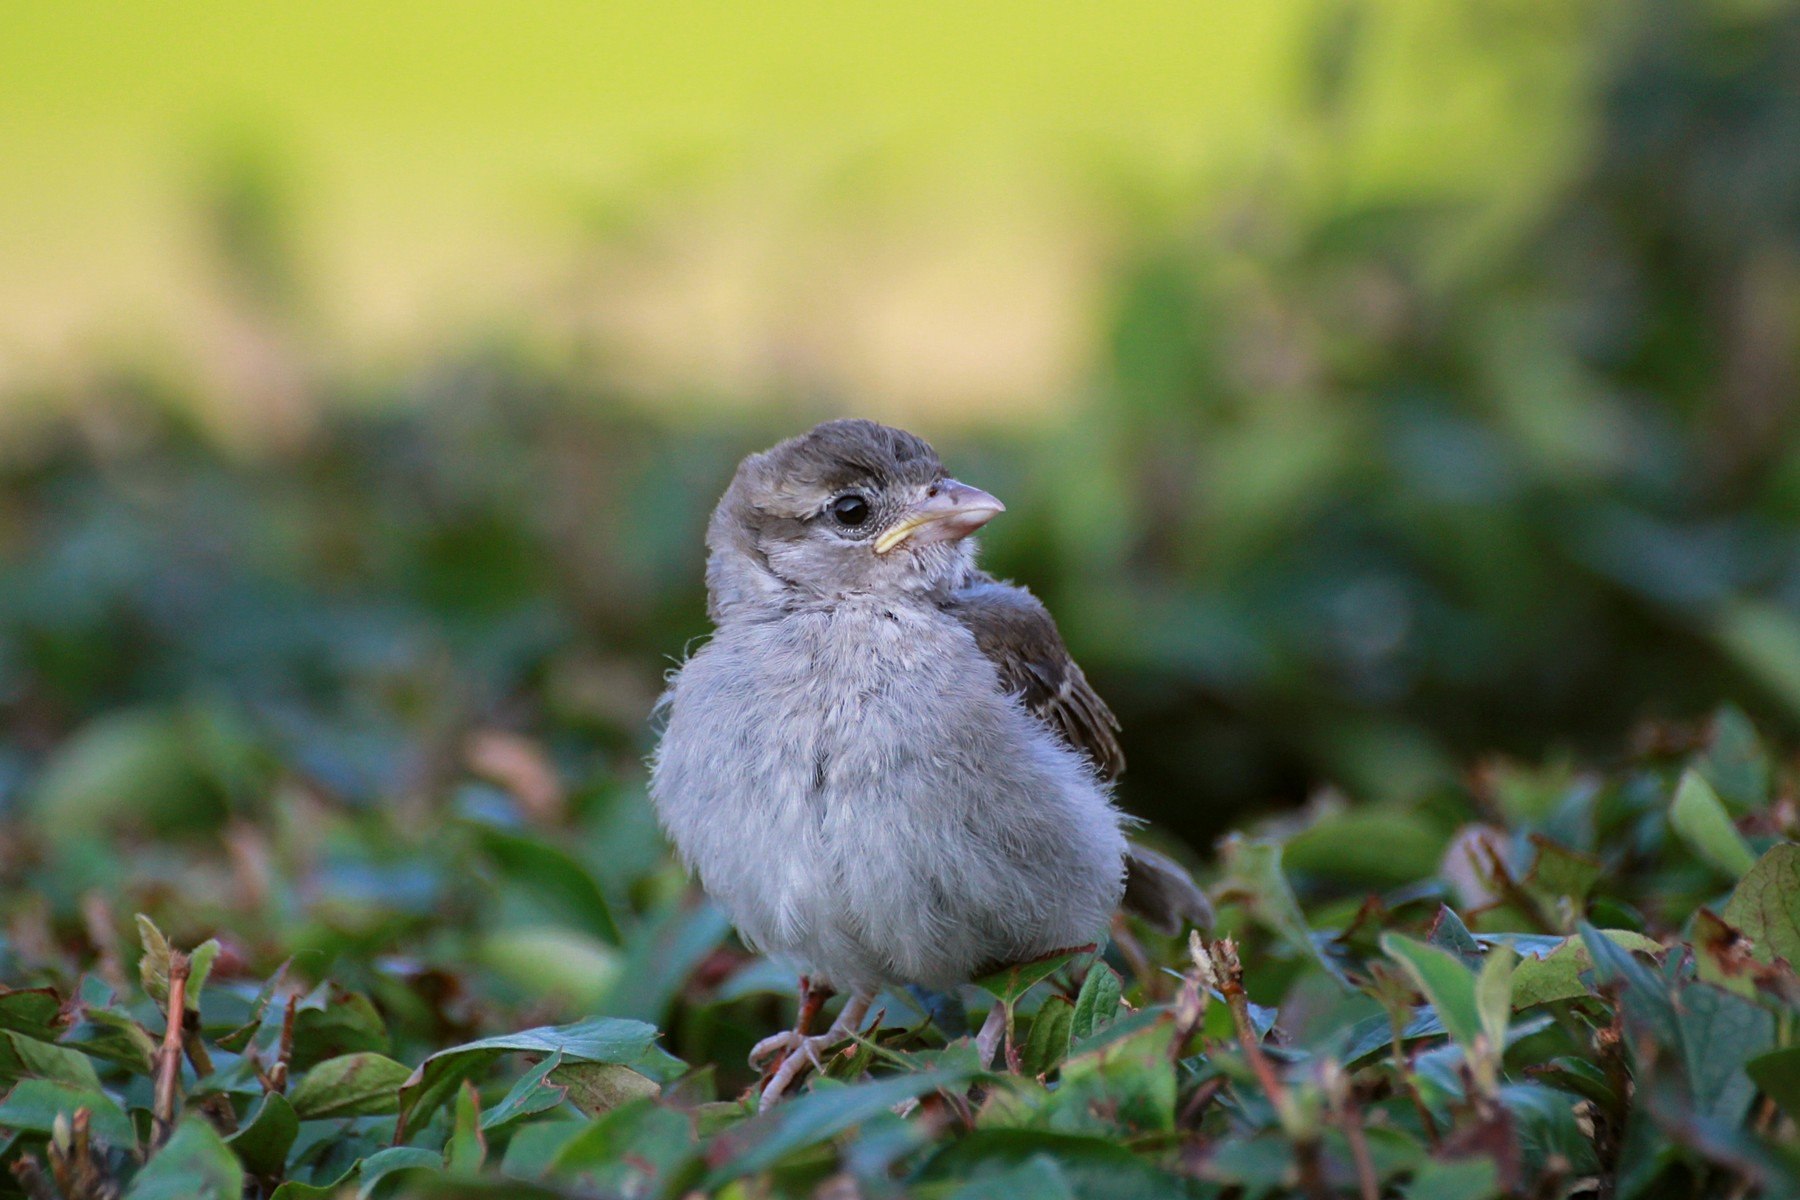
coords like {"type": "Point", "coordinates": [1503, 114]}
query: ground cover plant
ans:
{"type": "Point", "coordinates": [326, 739]}
{"type": "Point", "coordinates": [1545, 982]}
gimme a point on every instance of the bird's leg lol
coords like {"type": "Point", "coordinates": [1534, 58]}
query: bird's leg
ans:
{"type": "Point", "coordinates": [992, 1030]}
{"type": "Point", "coordinates": [812, 999]}
{"type": "Point", "coordinates": [804, 1051]}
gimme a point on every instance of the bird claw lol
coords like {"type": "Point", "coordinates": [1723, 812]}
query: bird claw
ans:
{"type": "Point", "coordinates": [792, 1042]}
{"type": "Point", "coordinates": [802, 1052]}
{"type": "Point", "coordinates": [785, 1042]}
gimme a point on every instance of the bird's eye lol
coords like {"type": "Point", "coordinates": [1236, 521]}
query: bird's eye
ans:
{"type": "Point", "coordinates": [850, 509]}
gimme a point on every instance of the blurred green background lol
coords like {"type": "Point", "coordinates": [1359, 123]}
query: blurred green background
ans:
{"type": "Point", "coordinates": [1372, 386]}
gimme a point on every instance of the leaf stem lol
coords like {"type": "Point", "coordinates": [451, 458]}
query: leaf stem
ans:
{"type": "Point", "coordinates": [1404, 1073]}
{"type": "Point", "coordinates": [1366, 1181]}
{"type": "Point", "coordinates": [169, 1054]}
{"type": "Point", "coordinates": [1228, 977]}
{"type": "Point", "coordinates": [284, 1047]}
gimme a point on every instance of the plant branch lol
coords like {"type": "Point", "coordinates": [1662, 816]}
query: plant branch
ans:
{"type": "Point", "coordinates": [284, 1048]}
{"type": "Point", "coordinates": [1227, 973]}
{"type": "Point", "coordinates": [169, 1054]}
{"type": "Point", "coordinates": [1350, 1116]}
{"type": "Point", "coordinates": [1403, 1072]}
{"type": "Point", "coordinates": [31, 1178]}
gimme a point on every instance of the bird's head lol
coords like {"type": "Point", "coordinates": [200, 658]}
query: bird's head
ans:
{"type": "Point", "coordinates": [847, 508]}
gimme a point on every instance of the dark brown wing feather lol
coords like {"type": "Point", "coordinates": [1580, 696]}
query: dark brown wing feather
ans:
{"type": "Point", "coordinates": [1017, 634]}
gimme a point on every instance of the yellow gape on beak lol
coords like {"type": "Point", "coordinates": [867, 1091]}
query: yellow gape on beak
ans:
{"type": "Point", "coordinates": [946, 512]}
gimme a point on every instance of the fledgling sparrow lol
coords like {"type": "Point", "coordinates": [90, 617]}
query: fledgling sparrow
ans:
{"type": "Point", "coordinates": [884, 765]}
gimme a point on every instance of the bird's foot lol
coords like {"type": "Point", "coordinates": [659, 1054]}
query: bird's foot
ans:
{"type": "Point", "coordinates": [992, 1031]}
{"type": "Point", "coordinates": [800, 1051]}
{"type": "Point", "coordinates": [790, 1042]}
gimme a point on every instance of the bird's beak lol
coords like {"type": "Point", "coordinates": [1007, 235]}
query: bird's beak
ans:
{"type": "Point", "coordinates": [949, 510]}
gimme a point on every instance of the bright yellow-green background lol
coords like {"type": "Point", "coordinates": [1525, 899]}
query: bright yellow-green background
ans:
{"type": "Point", "coordinates": [908, 204]}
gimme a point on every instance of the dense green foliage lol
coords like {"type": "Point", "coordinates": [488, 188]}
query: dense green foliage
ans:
{"type": "Point", "coordinates": [1354, 493]}
{"type": "Point", "coordinates": [1589, 977]}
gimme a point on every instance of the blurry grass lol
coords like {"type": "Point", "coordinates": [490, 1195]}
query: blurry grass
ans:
{"type": "Point", "coordinates": [699, 187]}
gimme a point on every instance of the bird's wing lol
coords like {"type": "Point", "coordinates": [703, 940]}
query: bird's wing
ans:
{"type": "Point", "coordinates": [1017, 634]}
{"type": "Point", "coordinates": [1160, 890]}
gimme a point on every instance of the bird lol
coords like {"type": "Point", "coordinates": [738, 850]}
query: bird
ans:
{"type": "Point", "coordinates": [883, 764]}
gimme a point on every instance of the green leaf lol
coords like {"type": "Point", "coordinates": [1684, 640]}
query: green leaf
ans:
{"type": "Point", "coordinates": [1366, 844]}
{"type": "Point", "coordinates": [569, 969]}
{"type": "Point", "coordinates": [1766, 904]}
{"type": "Point", "coordinates": [1710, 1032]}
{"type": "Point", "coordinates": [135, 767]}
{"type": "Point", "coordinates": [335, 1190]}
{"type": "Point", "coordinates": [1579, 1077]}
{"type": "Point", "coordinates": [1124, 1086]}
{"type": "Point", "coordinates": [1449, 933]}
{"type": "Point", "coordinates": [392, 1161]}
{"type": "Point", "coordinates": [1373, 1037]}
{"type": "Point", "coordinates": [1493, 994]}
{"type": "Point", "coordinates": [1048, 1043]}
{"type": "Point", "coordinates": [266, 1136]}
{"type": "Point", "coordinates": [1702, 822]}
{"type": "Point", "coordinates": [660, 954]}
{"type": "Point", "coordinates": [1449, 987]}
{"type": "Point", "coordinates": [34, 1104]}
{"type": "Point", "coordinates": [1253, 876]}
{"type": "Point", "coordinates": [1261, 1164]}
{"type": "Point", "coordinates": [1093, 1167]}
{"type": "Point", "coordinates": [368, 1172]}
{"type": "Point", "coordinates": [596, 1040]}
{"type": "Point", "coordinates": [1543, 979]}
{"type": "Point", "coordinates": [596, 1088]}
{"type": "Point", "coordinates": [1765, 640]}
{"type": "Point", "coordinates": [1456, 1179]}
{"type": "Point", "coordinates": [1735, 762]}
{"type": "Point", "coordinates": [1777, 1073]}
{"type": "Point", "coordinates": [466, 1150]}
{"type": "Point", "coordinates": [1558, 872]}
{"type": "Point", "coordinates": [554, 878]}
{"type": "Point", "coordinates": [331, 1022]}
{"type": "Point", "coordinates": [236, 1040]}
{"type": "Point", "coordinates": [354, 1085]}
{"type": "Point", "coordinates": [195, 1164]}
{"type": "Point", "coordinates": [530, 1095]}
{"type": "Point", "coordinates": [153, 966]}
{"type": "Point", "coordinates": [1648, 1006]}
{"type": "Point", "coordinates": [816, 1117]}
{"type": "Point", "coordinates": [532, 1147]}
{"type": "Point", "coordinates": [1097, 1004]}
{"type": "Point", "coordinates": [200, 964]}
{"type": "Point", "coordinates": [1037, 1177]}
{"type": "Point", "coordinates": [113, 1037]}
{"type": "Point", "coordinates": [1720, 956]}
{"type": "Point", "coordinates": [629, 1151]}
{"type": "Point", "coordinates": [1011, 982]}
{"type": "Point", "coordinates": [30, 1011]}
{"type": "Point", "coordinates": [27, 1058]}
{"type": "Point", "coordinates": [1720, 1033]}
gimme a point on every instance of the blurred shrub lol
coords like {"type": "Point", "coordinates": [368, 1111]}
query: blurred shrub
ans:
{"type": "Point", "coordinates": [1340, 504]}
